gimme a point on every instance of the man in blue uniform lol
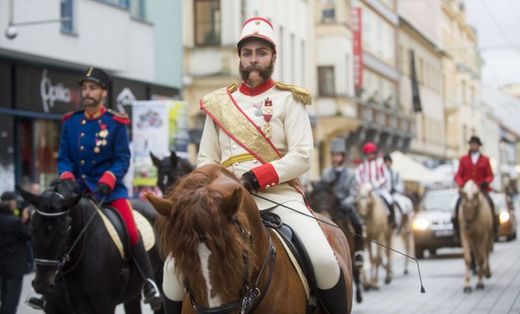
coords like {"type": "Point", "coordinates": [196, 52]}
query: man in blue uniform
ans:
{"type": "Point", "coordinates": [94, 152]}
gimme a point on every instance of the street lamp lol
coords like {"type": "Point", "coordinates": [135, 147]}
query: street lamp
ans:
{"type": "Point", "coordinates": [11, 32]}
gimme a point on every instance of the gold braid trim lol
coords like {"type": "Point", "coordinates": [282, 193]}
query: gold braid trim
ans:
{"type": "Point", "coordinates": [300, 94]}
{"type": "Point", "coordinates": [233, 87]}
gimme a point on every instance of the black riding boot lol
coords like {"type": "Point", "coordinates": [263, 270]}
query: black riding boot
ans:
{"type": "Point", "coordinates": [37, 303]}
{"type": "Point", "coordinates": [141, 260]}
{"type": "Point", "coordinates": [335, 299]}
{"type": "Point", "coordinates": [172, 307]}
{"type": "Point", "coordinates": [391, 218]}
{"type": "Point", "coordinates": [358, 237]}
{"type": "Point", "coordinates": [455, 219]}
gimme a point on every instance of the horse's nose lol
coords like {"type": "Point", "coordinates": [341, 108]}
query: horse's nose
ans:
{"type": "Point", "coordinates": [41, 287]}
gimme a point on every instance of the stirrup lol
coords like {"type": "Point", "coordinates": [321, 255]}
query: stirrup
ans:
{"type": "Point", "coordinates": [155, 300]}
{"type": "Point", "coordinates": [36, 303]}
{"type": "Point", "coordinates": [155, 288]}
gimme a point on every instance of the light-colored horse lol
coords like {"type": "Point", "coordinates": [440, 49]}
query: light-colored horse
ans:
{"type": "Point", "coordinates": [476, 232]}
{"type": "Point", "coordinates": [372, 209]}
{"type": "Point", "coordinates": [405, 221]}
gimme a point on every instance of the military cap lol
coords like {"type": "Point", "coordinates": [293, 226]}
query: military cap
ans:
{"type": "Point", "coordinates": [338, 146]}
{"type": "Point", "coordinates": [96, 75]}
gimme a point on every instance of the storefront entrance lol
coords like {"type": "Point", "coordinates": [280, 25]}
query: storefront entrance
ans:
{"type": "Point", "coordinates": [37, 146]}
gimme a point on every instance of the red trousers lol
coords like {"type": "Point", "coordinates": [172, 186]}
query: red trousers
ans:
{"type": "Point", "coordinates": [125, 209]}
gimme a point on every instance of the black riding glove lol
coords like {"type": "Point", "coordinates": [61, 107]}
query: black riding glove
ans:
{"type": "Point", "coordinates": [250, 182]}
{"type": "Point", "coordinates": [103, 188]}
{"type": "Point", "coordinates": [484, 186]}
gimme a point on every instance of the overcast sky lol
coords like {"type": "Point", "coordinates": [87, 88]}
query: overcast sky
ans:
{"type": "Point", "coordinates": [498, 27]}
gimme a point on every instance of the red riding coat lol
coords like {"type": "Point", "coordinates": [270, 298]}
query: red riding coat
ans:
{"type": "Point", "coordinates": [480, 172]}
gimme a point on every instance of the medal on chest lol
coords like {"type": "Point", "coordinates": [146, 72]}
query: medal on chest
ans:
{"type": "Point", "coordinates": [101, 138]}
{"type": "Point", "coordinates": [267, 113]}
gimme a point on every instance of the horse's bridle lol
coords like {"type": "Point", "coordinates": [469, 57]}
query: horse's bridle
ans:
{"type": "Point", "coordinates": [60, 263]}
{"type": "Point", "coordinates": [249, 295]}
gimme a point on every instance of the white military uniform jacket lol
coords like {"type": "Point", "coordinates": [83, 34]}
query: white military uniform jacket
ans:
{"type": "Point", "coordinates": [291, 135]}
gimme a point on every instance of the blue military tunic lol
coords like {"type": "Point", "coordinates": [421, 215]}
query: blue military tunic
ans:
{"type": "Point", "coordinates": [89, 147]}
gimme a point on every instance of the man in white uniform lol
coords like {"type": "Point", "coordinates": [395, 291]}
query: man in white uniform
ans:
{"type": "Point", "coordinates": [373, 171]}
{"type": "Point", "coordinates": [260, 130]}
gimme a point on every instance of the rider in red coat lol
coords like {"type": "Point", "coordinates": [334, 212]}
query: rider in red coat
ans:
{"type": "Point", "coordinates": [475, 166]}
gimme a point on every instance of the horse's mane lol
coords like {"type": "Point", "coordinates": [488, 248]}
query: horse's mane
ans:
{"type": "Point", "coordinates": [470, 189]}
{"type": "Point", "coordinates": [365, 189]}
{"type": "Point", "coordinates": [197, 216]}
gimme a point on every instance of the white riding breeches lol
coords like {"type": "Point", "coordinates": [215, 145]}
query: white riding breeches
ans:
{"type": "Point", "coordinates": [385, 194]}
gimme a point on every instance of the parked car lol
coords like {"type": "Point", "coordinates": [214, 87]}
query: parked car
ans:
{"type": "Point", "coordinates": [506, 217]}
{"type": "Point", "coordinates": [433, 226]}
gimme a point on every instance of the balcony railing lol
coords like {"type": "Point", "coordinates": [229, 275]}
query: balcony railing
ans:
{"type": "Point", "coordinates": [378, 117]}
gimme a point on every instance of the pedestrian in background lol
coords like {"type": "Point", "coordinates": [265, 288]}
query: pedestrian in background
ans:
{"type": "Point", "coordinates": [13, 253]}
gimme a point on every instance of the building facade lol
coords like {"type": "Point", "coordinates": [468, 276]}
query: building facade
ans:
{"type": "Point", "coordinates": [419, 52]}
{"type": "Point", "coordinates": [335, 106]}
{"type": "Point", "coordinates": [40, 68]}
{"type": "Point", "coordinates": [381, 114]}
{"type": "Point", "coordinates": [461, 76]}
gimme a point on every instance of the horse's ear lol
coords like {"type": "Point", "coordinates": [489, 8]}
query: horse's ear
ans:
{"type": "Point", "coordinates": [231, 192]}
{"type": "Point", "coordinates": [29, 197]}
{"type": "Point", "coordinates": [161, 205]}
{"type": "Point", "coordinates": [70, 202]}
{"type": "Point", "coordinates": [231, 202]}
{"type": "Point", "coordinates": [156, 161]}
{"type": "Point", "coordinates": [174, 159]}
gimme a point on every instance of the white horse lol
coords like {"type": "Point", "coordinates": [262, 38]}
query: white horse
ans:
{"type": "Point", "coordinates": [406, 215]}
{"type": "Point", "coordinates": [374, 213]}
{"type": "Point", "coordinates": [476, 232]}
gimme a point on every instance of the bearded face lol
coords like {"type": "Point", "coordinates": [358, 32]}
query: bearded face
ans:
{"type": "Point", "coordinates": [264, 72]}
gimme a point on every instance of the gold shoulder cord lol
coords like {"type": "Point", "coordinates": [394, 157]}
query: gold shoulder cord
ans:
{"type": "Point", "coordinates": [300, 94]}
{"type": "Point", "coordinates": [233, 87]}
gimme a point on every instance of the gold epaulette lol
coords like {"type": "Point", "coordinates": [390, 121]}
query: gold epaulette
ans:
{"type": "Point", "coordinates": [233, 87]}
{"type": "Point", "coordinates": [122, 115]}
{"type": "Point", "coordinates": [299, 94]}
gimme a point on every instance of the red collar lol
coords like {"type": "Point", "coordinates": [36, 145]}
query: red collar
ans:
{"type": "Point", "coordinates": [249, 91]}
{"type": "Point", "coordinates": [98, 114]}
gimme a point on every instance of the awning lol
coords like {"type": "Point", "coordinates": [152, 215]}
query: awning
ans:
{"type": "Point", "coordinates": [411, 170]}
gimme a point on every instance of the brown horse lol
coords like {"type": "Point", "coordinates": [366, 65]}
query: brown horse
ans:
{"type": "Point", "coordinates": [209, 210]}
{"type": "Point", "coordinates": [372, 209]}
{"type": "Point", "coordinates": [324, 201]}
{"type": "Point", "coordinates": [476, 232]}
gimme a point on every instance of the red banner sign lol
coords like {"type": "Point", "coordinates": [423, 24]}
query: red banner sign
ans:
{"type": "Point", "coordinates": [358, 47]}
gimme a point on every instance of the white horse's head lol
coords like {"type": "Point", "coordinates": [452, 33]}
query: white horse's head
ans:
{"type": "Point", "coordinates": [364, 199]}
{"type": "Point", "coordinates": [470, 200]}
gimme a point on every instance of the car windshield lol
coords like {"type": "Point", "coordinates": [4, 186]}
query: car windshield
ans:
{"type": "Point", "coordinates": [442, 200]}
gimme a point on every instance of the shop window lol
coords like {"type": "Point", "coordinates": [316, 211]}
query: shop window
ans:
{"type": "Point", "coordinates": [207, 22]}
{"type": "Point", "coordinates": [7, 167]}
{"type": "Point", "coordinates": [38, 151]}
{"type": "Point", "coordinates": [67, 11]}
{"type": "Point", "coordinates": [326, 81]}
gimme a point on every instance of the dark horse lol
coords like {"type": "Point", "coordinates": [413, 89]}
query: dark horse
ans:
{"type": "Point", "coordinates": [209, 210]}
{"type": "Point", "coordinates": [324, 201]}
{"type": "Point", "coordinates": [78, 269]}
{"type": "Point", "coordinates": [169, 170]}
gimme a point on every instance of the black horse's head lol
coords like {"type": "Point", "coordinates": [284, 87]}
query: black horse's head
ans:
{"type": "Point", "coordinates": [49, 228]}
{"type": "Point", "coordinates": [169, 170]}
{"type": "Point", "coordinates": [322, 198]}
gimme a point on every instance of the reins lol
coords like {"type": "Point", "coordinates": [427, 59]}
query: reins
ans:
{"type": "Point", "coordinates": [353, 233]}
